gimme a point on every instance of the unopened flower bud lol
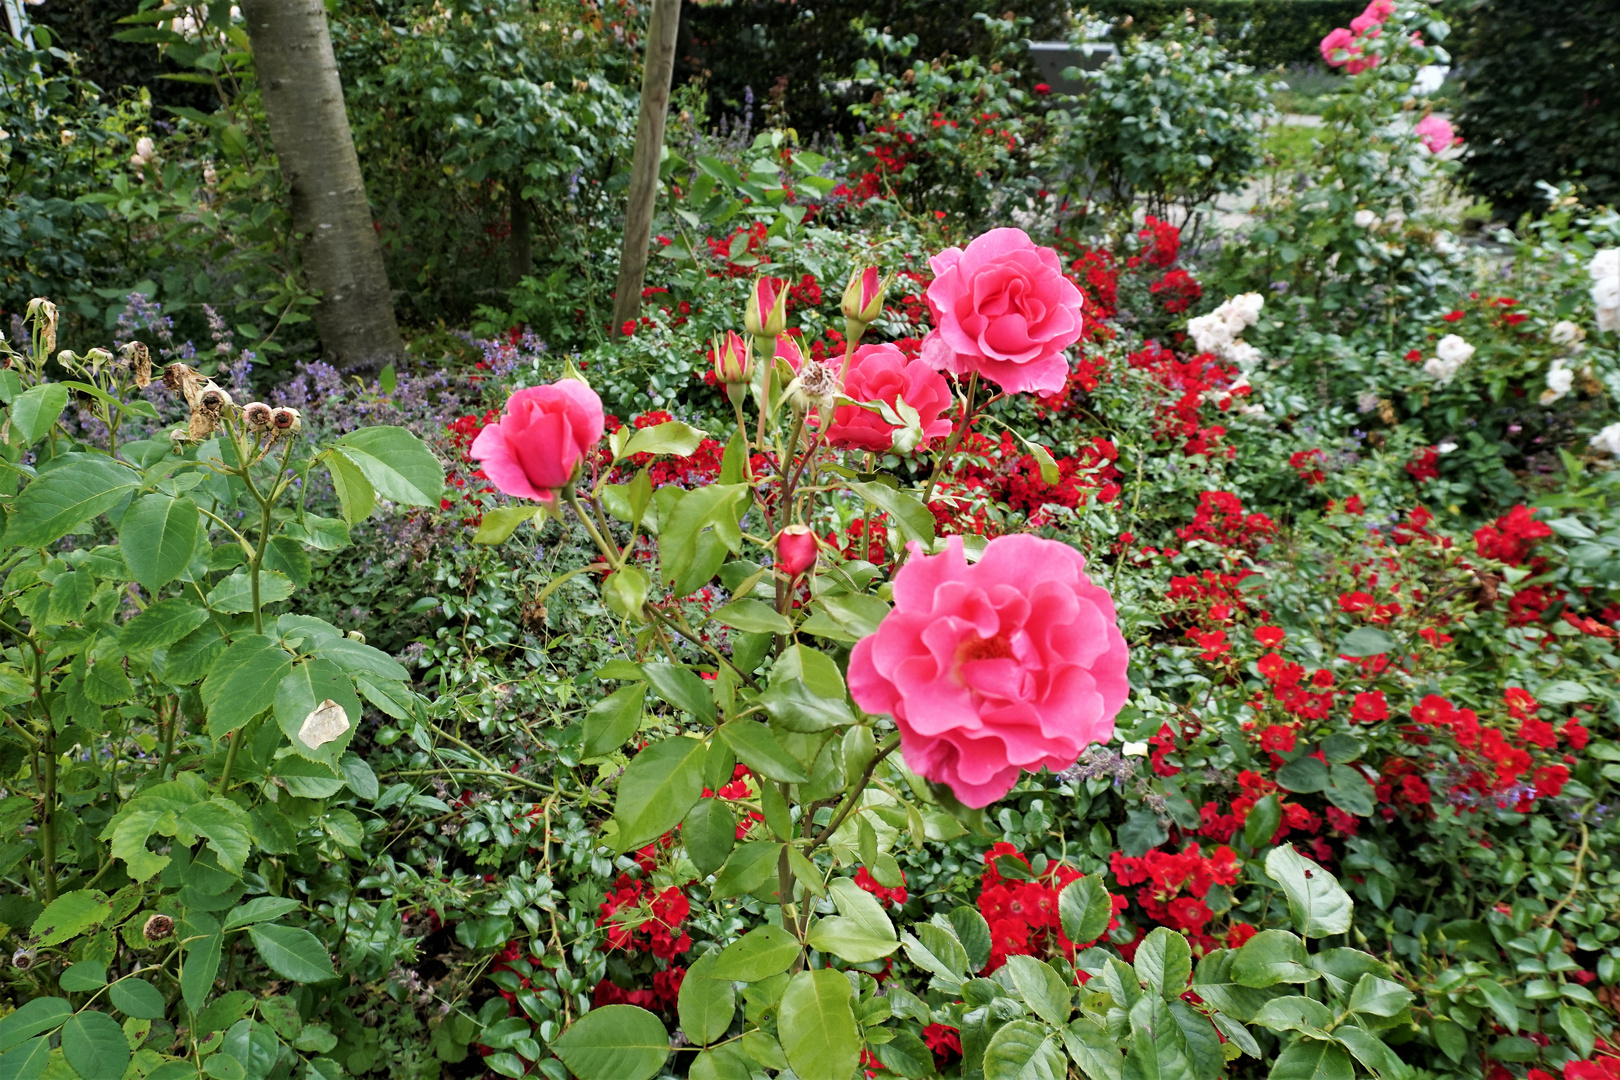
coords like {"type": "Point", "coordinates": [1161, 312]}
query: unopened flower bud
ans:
{"type": "Point", "coordinates": [795, 550]}
{"type": "Point", "coordinates": [355, 635]}
{"type": "Point", "coordinates": [733, 358]}
{"type": "Point", "coordinates": [157, 928]}
{"type": "Point", "coordinates": [863, 296]}
{"type": "Point", "coordinates": [286, 421]}
{"type": "Point", "coordinates": [256, 415]}
{"type": "Point", "coordinates": [766, 314]}
{"type": "Point", "coordinates": [790, 350]}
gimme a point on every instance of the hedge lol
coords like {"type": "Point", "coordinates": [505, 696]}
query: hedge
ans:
{"type": "Point", "coordinates": [1263, 32]}
{"type": "Point", "coordinates": [1541, 100]}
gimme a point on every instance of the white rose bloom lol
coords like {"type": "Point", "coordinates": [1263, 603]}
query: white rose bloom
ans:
{"type": "Point", "coordinates": [1365, 219]}
{"type": "Point", "coordinates": [1607, 440]}
{"type": "Point", "coordinates": [1446, 446]}
{"type": "Point", "coordinates": [1242, 354]}
{"type": "Point", "coordinates": [1565, 332]}
{"type": "Point", "coordinates": [1560, 380]}
{"type": "Point", "coordinates": [1608, 319]}
{"type": "Point", "coordinates": [1430, 77]}
{"type": "Point", "coordinates": [1439, 369]}
{"type": "Point", "coordinates": [1606, 292]}
{"type": "Point", "coordinates": [1211, 333]}
{"type": "Point", "coordinates": [1605, 264]}
{"type": "Point", "coordinates": [1247, 307]}
{"type": "Point", "coordinates": [1454, 350]}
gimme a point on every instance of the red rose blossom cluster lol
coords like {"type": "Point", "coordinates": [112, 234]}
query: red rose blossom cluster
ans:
{"type": "Point", "coordinates": [1023, 911]}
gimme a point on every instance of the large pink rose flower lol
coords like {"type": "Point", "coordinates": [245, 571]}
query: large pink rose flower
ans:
{"type": "Point", "coordinates": [1435, 132]}
{"type": "Point", "coordinates": [1003, 308]}
{"type": "Point", "coordinates": [1014, 662]}
{"type": "Point", "coordinates": [882, 373]}
{"type": "Point", "coordinates": [533, 450]}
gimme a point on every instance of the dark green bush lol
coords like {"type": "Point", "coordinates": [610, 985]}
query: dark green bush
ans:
{"type": "Point", "coordinates": [791, 55]}
{"type": "Point", "coordinates": [1539, 100]}
{"type": "Point", "coordinates": [1263, 32]}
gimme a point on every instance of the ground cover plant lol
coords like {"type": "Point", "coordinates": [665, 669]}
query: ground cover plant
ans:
{"type": "Point", "coordinates": [995, 613]}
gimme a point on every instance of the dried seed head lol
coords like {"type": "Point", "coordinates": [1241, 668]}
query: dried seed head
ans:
{"type": "Point", "coordinates": [818, 385]}
{"type": "Point", "coordinates": [214, 399]}
{"type": "Point", "coordinates": [43, 312]}
{"type": "Point", "coordinates": [138, 359]}
{"type": "Point", "coordinates": [285, 420]}
{"type": "Point", "coordinates": [23, 959]}
{"type": "Point", "coordinates": [157, 928]}
{"type": "Point", "coordinates": [175, 375]}
{"type": "Point", "coordinates": [257, 415]}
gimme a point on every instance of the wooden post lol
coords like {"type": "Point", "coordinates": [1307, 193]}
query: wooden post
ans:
{"type": "Point", "coordinates": [658, 70]}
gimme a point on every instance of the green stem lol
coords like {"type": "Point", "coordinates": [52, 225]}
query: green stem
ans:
{"type": "Point", "coordinates": [855, 793]}
{"type": "Point", "coordinates": [609, 551]}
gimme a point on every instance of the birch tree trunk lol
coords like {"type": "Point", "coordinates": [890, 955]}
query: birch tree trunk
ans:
{"type": "Point", "coordinates": [342, 256]}
{"type": "Point", "coordinates": [657, 70]}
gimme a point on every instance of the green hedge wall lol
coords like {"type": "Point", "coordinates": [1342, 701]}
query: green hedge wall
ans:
{"type": "Point", "coordinates": [1541, 99]}
{"type": "Point", "coordinates": [1264, 33]}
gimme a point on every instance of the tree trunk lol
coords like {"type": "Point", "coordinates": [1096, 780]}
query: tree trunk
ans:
{"type": "Point", "coordinates": [342, 257]}
{"type": "Point", "coordinates": [657, 70]}
{"type": "Point", "coordinates": [520, 244]}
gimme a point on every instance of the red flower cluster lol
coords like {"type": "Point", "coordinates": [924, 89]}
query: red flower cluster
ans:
{"type": "Point", "coordinates": [1189, 385]}
{"type": "Point", "coordinates": [896, 896]}
{"type": "Point", "coordinates": [665, 992]}
{"type": "Point", "coordinates": [1220, 520]}
{"type": "Point", "coordinates": [639, 920]}
{"type": "Point", "coordinates": [1023, 911]}
{"type": "Point", "coordinates": [1000, 472]}
{"type": "Point", "coordinates": [1161, 243]}
{"type": "Point", "coordinates": [1177, 291]}
{"type": "Point", "coordinates": [1167, 876]}
{"type": "Point", "coordinates": [1307, 463]}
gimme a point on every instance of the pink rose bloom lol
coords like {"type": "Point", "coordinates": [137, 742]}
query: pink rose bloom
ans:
{"type": "Point", "coordinates": [882, 373]}
{"type": "Point", "coordinates": [1435, 132]}
{"type": "Point", "coordinates": [1014, 662]}
{"type": "Point", "coordinates": [1358, 63]}
{"type": "Point", "coordinates": [1340, 41]}
{"type": "Point", "coordinates": [533, 450]}
{"type": "Point", "coordinates": [1003, 308]}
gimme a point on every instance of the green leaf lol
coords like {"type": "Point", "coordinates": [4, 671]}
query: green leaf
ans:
{"type": "Point", "coordinates": [1578, 1026]}
{"type": "Point", "coordinates": [1318, 906]}
{"type": "Point", "coordinates": [1217, 985]}
{"type": "Point", "coordinates": [706, 1004]}
{"type": "Point", "coordinates": [500, 522]}
{"type": "Point", "coordinates": [26, 1062]}
{"type": "Point", "coordinates": [1265, 817]}
{"type": "Point", "coordinates": [755, 746]}
{"type": "Point", "coordinates": [234, 595]}
{"type": "Point", "coordinates": [1379, 997]}
{"type": "Point", "coordinates": [356, 497]}
{"type": "Point", "coordinates": [396, 463]}
{"type": "Point", "coordinates": [1294, 1012]}
{"type": "Point", "coordinates": [682, 688]}
{"type": "Point", "coordinates": [158, 534]}
{"type": "Point", "coordinates": [95, 1046]}
{"type": "Point", "coordinates": [1311, 1060]}
{"type": "Point", "coordinates": [671, 437]}
{"type": "Point", "coordinates": [1501, 1002]}
{"type": "Point", "coordinates": [1365, 641]}
{"type": "Point", "coordinates": [260, 909]}
{"type": "Point", "coordinates": [84, 976]}
{"type": "Point", "coordinates": [658, 787]}
{"type": "Point", "coordinates": [137, 998]}
{"type": "Point", "coordinates": [610, 722]}
{"type": "Point", "coordinates": [33, 412]}
{"type": "Point", "coordinates": [816, 1026]}
{"type": "Point", "coordinates": [317, 709]}
{"type": "Point", "coordinates": [1304, 774]}
{"type": "Point", "coordinates": [243, 682]}
{"type": "Point", "coordinates": [1269, 958]}
{"type": "Point", "coordinates": [1091, 1049]}
{"type": "Point", "coordinates": [1022, 1050]}
{"type": "Point", "coordinates": [750, 866]}
{"type": "Point", "coordinates": [911, 519]}
{"type": "Point", "coordinates": [1164, 962]}
{"type": "Point", "coordinates": [1158, 1043]}
{"type": "Point", "coordinates": [1349, 791]}
{"type": "Point", "coordinates": [1141, 832]}
{"type": "Point", "coordinates": [974, 933]}
{"type": "Point", "coordinates": [905, 1055]}
{"type": "Point", "coordinates": [69, 916]}
{"type": "Point", "coordinates": [1085, 909]}
{"type": "Point", "coordinates": [202, 953]}
{"type": "Point", "coordinates": [762, 952]}
{"type": "Point", "coordinates": [193, 656]}
{"type": "Point", "coordinates": [848, 940]}
{"type": "Point", "coordinates": [31, 1018]}
{"type": "Point", "coordinates": [935, 950]}
{"type": "Point", "coordinates": [753, 616]}
{"type": "Point", "coordinates": [1041, 988]}
{"type": "Point", "coordinates": [1370, 1050]}
{"type": "Point", "coordinates": [59, 501]}
{"type": "Point", "coordinates": [161, 625]}
{"type": "Point", "coordinates": [292, 953]}
{"type": "Point", "coordinates": [709, 832]}
{"type": "Point", "coordinates": [614, 1042]}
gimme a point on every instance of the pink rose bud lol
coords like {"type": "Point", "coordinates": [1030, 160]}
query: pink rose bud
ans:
{"type": "Point", "coordinates": [790, 350]}
{"type": "Point", "coordinates": [863, 296]}
{"type": "Point", "coordinates": [534, 450]}
{"type": "Point", "coordinates": [1010, 664]}
{"type": "Point", "coordinates": [733, 358]}
{"type": "Point", "coordinates": [766, 315]}
{"type": "Point", "coordinates": [795, 550]}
